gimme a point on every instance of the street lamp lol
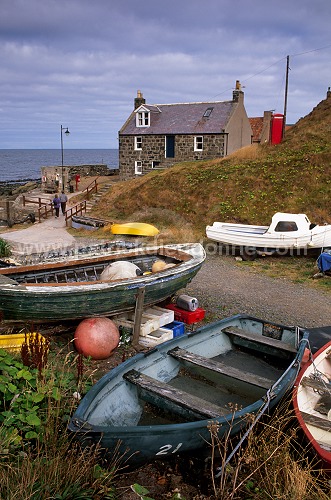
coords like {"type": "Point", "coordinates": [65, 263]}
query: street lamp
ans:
{"type": "Point", "coordinates": [66, 133]}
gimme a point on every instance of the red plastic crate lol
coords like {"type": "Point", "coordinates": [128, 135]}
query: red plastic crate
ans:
{"type": "Point", "coordinates": [187, 317]}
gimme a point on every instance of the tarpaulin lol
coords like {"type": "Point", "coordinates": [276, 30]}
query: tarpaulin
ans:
{"type": "Point", "coordinates": [324, 262]}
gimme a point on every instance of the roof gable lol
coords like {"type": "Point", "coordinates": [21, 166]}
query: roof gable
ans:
{"type": "Point", "coordinates": [182, 118]}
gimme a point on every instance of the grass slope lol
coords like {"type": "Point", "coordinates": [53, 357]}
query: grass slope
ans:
{"type": "Point", "coordinates": [248, 186]}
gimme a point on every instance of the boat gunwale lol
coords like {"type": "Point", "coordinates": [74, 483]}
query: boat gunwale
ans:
{"type": "Point", "coordinates": [112, 256]}
{"type": "Point", "coordinates": [188, 261]}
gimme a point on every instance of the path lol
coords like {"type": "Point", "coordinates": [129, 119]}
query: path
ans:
{"type": "Point", "coordinates": [48, 235]}
{"type": "Point", "coordinates": [40, 237]}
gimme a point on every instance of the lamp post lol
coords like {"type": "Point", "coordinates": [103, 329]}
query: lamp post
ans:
{"type": "Point", "coordinates": [66, 133]}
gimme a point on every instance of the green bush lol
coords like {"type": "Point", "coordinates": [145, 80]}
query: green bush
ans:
{"type": "Point", "coordinates": [5, 250]}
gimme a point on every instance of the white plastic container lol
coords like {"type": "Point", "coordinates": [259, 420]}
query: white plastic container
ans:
{"type": "Point", "coordinates": [165, 315]}
{"type": "Point", "coordinates": [187, 303]}
{"type": "Point", "coordinates": [157, 337]}
{"type": "Point", "coordinates": [149, 323]}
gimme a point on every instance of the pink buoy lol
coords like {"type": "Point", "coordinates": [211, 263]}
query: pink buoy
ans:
{"type": "Point", "coordinates": [96, 337]}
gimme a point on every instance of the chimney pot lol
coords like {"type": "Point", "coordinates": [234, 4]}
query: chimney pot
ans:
{"type": "Point", "coordinates": [139, 100]}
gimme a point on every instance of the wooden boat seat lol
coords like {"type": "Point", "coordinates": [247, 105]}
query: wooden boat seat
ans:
{"type": "Point", "coordinates": [222, 368]}
{"type": "Point", "coordinates": [314, 383]}
{"type": "Point", "coordinates": [260, 339]}
{"type": "Point", "coordinates": [165, 396]}
{"type": "Point", "coordinates": [321, 423]}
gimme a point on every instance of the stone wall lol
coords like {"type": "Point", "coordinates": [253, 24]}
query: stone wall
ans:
{"type": "Point", "coordinates": [51, 177]}
{"type": "Point", "coordinates": [153, 150]}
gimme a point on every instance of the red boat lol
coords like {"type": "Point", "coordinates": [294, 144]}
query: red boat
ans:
{"type": "Point", "coordinates": [312, 403]}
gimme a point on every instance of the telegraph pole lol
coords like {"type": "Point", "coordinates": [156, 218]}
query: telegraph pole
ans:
{"type": "Point", "coordinates": [286, 92]}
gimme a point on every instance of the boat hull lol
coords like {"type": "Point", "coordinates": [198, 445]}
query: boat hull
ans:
{"type": "Point", "coordinates": [312, 414]}
{"type": "Point", "coordinates": [111, 413]}
{"type": "Point", "coordinates": [134, 229]}
{"type": "Point", "coordinates": [264, 240]}
{"type": "Point", "coordinates": [66, 301]}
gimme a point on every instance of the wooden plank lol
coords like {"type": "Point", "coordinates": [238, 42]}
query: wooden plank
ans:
{"type": "Point", "coordinates": [317, 384]}
{"type": "Point", "coordinates": [321, 423]}
{"type": "Point", "coordinates": [259, 339]}
{"type": "Point", "coordinates": [197, 407]}
{"type": "Point", "coordinates": [222, 368]}
{"type": "Point", "coordinates": [138, 315]}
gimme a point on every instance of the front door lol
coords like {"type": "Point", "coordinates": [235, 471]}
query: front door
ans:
{"type": "Point", "coordinates": [170, 146]}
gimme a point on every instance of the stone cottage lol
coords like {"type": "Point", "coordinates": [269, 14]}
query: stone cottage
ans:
{"type": "Point", "coordinates": [160, 135]}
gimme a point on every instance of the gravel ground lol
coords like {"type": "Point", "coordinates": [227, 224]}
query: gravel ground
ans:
{"type": "Point", "coordinates": [223, 289]}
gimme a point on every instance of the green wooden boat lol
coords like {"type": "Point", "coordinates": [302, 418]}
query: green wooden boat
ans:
{"type": "Point", "coordinates": [159, 404]}
{"type": "Point", "coordinates": [72, 289]}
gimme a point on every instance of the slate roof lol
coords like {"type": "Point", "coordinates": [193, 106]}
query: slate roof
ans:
{"type": "Point", "coordinates": [184, 118]}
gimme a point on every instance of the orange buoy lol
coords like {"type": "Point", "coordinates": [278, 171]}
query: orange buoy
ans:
{"type": "Point", "coordinates": [305, 357]}
{"type": "Point", "coordinates": [96, 337]}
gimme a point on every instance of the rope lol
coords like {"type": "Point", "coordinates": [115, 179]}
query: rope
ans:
{"type": "Point", "coordinates": [259, 415]}
{"type": "Point", "coordinates": [317, 374]}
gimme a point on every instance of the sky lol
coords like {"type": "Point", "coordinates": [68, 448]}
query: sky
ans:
{"type": "Point", "coordinates": [79, 63]}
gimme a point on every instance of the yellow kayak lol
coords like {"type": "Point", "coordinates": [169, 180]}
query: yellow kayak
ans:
{"type": "Point", "coordinates": [134, 229]}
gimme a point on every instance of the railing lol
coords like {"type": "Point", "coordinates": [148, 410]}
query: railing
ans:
{"type": "Point", "coordinates": [38, 201]}
{"type": "Point", "coordinates": [91, 188]}
{"type": "Point", "coordinates": [78, 209]}
{"type": "Point", "coordinates": [44, 211]}
{"type": "Point", "coordinates": [45, 207]}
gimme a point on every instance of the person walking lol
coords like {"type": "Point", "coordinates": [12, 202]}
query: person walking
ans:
{"type": "Point", "coordinates": [56, 205]}
{"type": "Point", "coordinates": [63, 201]}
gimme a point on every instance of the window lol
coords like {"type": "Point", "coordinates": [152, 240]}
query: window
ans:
{"type": "Point", "coordinates": [155, 164]}
{"type": "Point", "coordinates": [286, 226]}
{"type": "Point", "coordinates": [138, 143]}
{"type": "Point", "coordinates": [138, 167]}
{"type": "Point", "coordinates": [207, 113]}
{"type": "Point", "coordinates": [198, 143]}
{"type": "Point", "coordinates": [142, 119]}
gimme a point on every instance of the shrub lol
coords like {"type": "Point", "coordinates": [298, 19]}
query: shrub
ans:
{"type": "Point", "coordinates": [5, 250]}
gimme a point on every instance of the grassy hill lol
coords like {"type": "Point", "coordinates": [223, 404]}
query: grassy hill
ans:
{"type": "Point", "coordinates": [248, 186]}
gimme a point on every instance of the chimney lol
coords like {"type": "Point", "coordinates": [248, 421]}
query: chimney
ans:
{"type": "Point", "coordinates": [139, 100]}
{"type": "Point", "coordinates": [238, 94]}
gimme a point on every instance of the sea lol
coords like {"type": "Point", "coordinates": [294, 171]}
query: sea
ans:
{"type": "Point", "coordinates": [18, 165]}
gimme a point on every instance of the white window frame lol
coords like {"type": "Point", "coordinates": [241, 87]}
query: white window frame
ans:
{"type": "Point", "coordinates": [138, 141]}
{"type": "Point", "coordinates": [143, 119]}
{"type": "Point", "coordinates": [138, 167]}
{"type": "Point", "coordinates": [198, 143]}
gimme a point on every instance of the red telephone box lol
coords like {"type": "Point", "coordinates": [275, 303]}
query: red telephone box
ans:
{"type": "Point", "coordinates": [77, 177]}
{"type": "Point", "coordinates": [277, 121]}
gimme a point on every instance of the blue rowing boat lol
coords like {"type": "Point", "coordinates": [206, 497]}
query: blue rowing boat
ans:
{"type": "Point", "coordinates": [160, 403]}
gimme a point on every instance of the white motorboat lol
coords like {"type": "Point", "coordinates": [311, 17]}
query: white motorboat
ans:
{"type": "Point", "coordinates": [286, 232]}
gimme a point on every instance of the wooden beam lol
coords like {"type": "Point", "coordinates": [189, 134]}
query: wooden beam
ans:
{"type": "Point", "coordinates": [259, 339]}
{"type": "Point", "coordinates": [321, 423]}
{"type": "Point", "coordinates": [221, 368]}
{"type": "Point", "coordinates": [168, 397]}
{"type": "Point", "coordinates": [138, 315]}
